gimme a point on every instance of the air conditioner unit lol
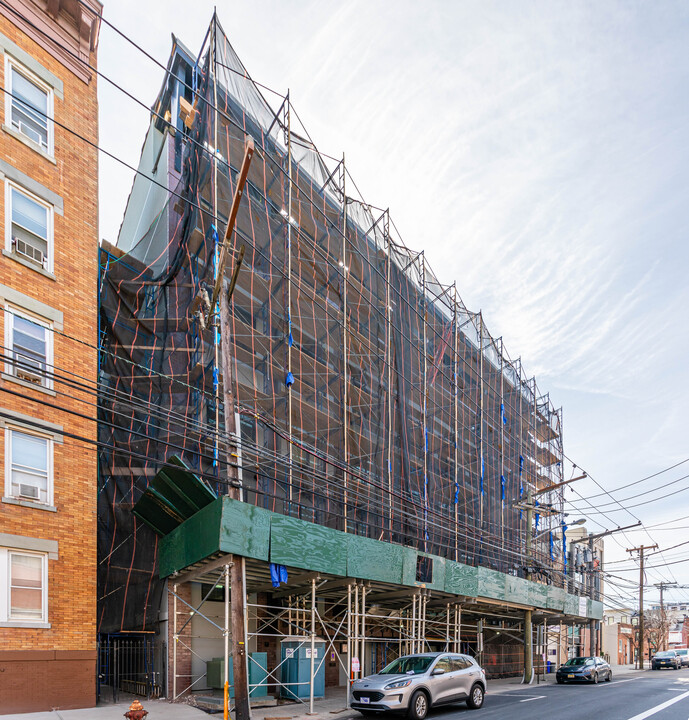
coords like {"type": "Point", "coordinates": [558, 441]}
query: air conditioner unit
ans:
{"type": "Point", "coordinates": [28, 376]}
{"type": "Point", "coordinates": [29, 491]}
{"type": "Point", "coordinates": [29, 251]}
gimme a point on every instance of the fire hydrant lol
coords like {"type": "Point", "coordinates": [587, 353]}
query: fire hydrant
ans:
{"type": "Point", "coordinates": [136, 711]}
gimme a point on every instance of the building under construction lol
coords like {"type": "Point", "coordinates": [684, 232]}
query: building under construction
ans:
{"type": "Point", "coordinates": [382, 443]}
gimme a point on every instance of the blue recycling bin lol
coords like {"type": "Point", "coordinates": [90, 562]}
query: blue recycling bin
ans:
{"type": "Point", "coordinates": [258, 672]}
{"type": "Point", "coordinates": [296, 668]}
{"type": "Point", "coordinates": [549, 666]}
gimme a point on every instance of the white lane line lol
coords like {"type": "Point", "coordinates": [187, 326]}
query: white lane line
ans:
{"type": "Point", "coordinates": [537, 697]}
{"type": "Point", "coordinates": [658, 708]}
{"type": "Point", "coordinates": [616, 682]}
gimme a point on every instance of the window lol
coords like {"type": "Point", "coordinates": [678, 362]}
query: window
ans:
{"type": "Point", "coordinates": [459, 662]}
{"type": "Point", "coordinates": [30, 227]}
{"type": "Point", "coordinates": [29, 343]}
{"type": "Point", "coordinates": [443, 664]}
{"type": "Point", "coordinates": [28, 465]}
{"type": "Point", "coordinates": [25, 577]}
{"type": "Point", "coordinates": [29, 105]}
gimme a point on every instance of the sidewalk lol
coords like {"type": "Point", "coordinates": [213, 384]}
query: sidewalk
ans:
{"type": "Point", "coordinates": [331, 707]}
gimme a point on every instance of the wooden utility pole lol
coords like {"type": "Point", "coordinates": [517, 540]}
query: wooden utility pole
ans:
{"type": "Point", "coordinates": [528, 629]}
{"type": "Point", "coordinates": [641, 550]}
{"type": "Point", "coordinates": [237, 573]}
{"type": "Point", "coordinates": [663, 619]}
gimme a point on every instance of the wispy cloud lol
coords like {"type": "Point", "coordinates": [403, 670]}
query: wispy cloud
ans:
{"type": "Point", "coordinates": [537, 152]}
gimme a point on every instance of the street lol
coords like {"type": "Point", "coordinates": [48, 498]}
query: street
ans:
{"type": "Point", "coordinates": [662, 695]}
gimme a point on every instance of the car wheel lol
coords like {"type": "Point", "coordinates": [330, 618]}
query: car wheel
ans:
{"type": "Point", "coordinates": [418, 707]}
{"type": "Point", "coordinates": [595, 678]}
{"type": "Point", "coordinates": [475, 699]}
{"type": "Point", "coordinates": [609, 678]}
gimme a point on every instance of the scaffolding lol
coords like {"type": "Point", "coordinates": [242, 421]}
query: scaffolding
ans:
{"type": "Point", "coordinates": [369, 399]}
{"type": "Point", "coordinates": [360, 627]}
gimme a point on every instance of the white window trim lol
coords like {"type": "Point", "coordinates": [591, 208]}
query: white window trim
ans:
{"type": "Point", "coordinates": [9, 186]}
{"type": "Point", "coordinates": [10, 369]}
{"type": "Point", "coordinates": [11, 63]}
{"type": "Point", "coordinates": [5, 619]}
{"type": "Point", "coordinates": [9, 429]}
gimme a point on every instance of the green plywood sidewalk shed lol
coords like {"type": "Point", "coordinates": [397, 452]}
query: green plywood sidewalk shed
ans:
{"type": "Point", "coordinates": [230, 526]}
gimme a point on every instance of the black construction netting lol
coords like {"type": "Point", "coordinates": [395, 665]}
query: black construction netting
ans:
{"type": "Point", "coordinates": [442, 432]}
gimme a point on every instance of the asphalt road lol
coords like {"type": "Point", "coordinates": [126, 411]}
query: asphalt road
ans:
{"type": "Point", "coordinates": [659, 695]}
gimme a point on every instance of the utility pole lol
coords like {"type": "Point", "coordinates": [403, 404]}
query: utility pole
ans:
{"type": "Point", "coordinates": [529, 506]}
{"type": "Point", "coordinates": [594, 625]}
{"type": "Point", "coordinates": [663, 618]}
{"type": "Point", "coordinates": [237, 587]}
{"type": "Point", "coordinates": [640, 550]}
{"type": "Point", "coordinates": [528, 630]}
{"type": "Point", "coordinates": [593, 633]}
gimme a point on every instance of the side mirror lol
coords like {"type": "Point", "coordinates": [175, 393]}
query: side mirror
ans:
{"type": "Point", "coordinates": [438, 671]}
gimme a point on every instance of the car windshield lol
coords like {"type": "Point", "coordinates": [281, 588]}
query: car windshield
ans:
{"type": "Point", "coordinates": [409, 665]}
{"type": "Point", "coordinates": [683, 652]}
{"type": "Point", "coordinates": [578, 662]}
{"type": "Point", "coordinates": [666, 654]}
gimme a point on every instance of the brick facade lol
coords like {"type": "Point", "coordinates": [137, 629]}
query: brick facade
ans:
{"type": "Point", "coordinates": [54, 665]}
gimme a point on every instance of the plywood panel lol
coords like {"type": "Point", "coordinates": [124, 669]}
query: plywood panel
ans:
{"type": "Point", "coordinates": [304, 545]}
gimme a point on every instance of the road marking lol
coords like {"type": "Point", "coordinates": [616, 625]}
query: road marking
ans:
{"type": "Point", "coordinates": [616, 682]}
{"type": "Point", "coordinates": [658, 708]}
{"type": "Point", "coordinates": [537, 697]}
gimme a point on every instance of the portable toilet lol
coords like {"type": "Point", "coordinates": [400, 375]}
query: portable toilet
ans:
{"type": "Point", "coordinates": [296, 668]}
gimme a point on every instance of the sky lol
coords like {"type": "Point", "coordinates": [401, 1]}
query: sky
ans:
{"type": "Point", "coordinates": [538, 152]}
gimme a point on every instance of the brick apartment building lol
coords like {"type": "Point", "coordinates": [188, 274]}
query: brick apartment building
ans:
{"type": "Point", "coordinates": [48, 291]}
{"type": "Point", "coordinates": [620, 637]}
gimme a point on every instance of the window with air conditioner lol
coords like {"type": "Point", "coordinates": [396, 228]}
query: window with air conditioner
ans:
{"type": "Point", "coordinates": [30, 349]}
{"type": "Point", "coordinates": [28, 466]}
{"type": "Point", "coordinates": [25, 576]}
{"type": "Point", "coordinates": [29, 105]}
{"type": "Point", "coordinates": [29, 227]}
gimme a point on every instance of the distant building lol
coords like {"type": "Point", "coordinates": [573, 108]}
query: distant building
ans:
{"type": "Point", "coordinates": [48, 294]}
{"type": "Point", "coordinates": [619, 636]}
{"type": "Point", "coordinates": [674, 607]}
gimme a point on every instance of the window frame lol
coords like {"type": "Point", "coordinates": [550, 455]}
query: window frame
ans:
{"type": "Point", "coordinates": [11, 64]}
{"type": "Point", "coordinates": [50, 225]}
{"type": "Point", "coordinates": [12, 312]}
{"type": "Point", "coordinates": [9, 490]}
{"type": "Point", "coordinates": [6, 618]}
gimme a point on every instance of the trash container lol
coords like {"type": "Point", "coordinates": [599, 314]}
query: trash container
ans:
{"type": "Point", "coordinates": [296, 668]}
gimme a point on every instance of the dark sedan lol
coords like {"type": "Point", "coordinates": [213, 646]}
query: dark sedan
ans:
{"type": "Point", "coordinates": [666, 659]}
{"type": "Point", "coordinates": [584, 669]}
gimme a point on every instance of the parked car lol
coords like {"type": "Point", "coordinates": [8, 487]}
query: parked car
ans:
{"type": "Point", "coordinates": [666, 659]}
{"type": "Point", "coordinates": [684, 656]}
{"type": "Point", "coordinates": [584, 669]}
{"type": "Point", "coordinates": [415, 683]}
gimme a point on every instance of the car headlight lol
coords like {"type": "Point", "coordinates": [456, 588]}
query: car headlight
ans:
{"type": "Point", "coordinates": [398, 684]}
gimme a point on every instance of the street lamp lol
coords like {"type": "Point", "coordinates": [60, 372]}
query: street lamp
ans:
{"type": "Point", "coordinates": [580, 521]}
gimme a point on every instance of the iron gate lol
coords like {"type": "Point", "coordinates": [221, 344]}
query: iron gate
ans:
{"type": "Point", "coordinates": [131, 664]}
